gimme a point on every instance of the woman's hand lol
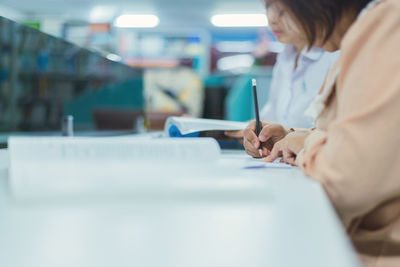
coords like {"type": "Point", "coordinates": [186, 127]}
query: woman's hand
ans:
{"type": "Point", "coordinates": [238, 135]}
{"type": "Point", "coordinates": [270, 134]}
{"type": "Point", "coordinates": [288, 148]}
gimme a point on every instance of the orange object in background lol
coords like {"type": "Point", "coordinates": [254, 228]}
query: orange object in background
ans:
{"type": "Point", "coordinates": [127, 119]}
{"type": "Point", "coordinates": [157, 120]}
{"type": "Point", "coordinates": [116, 118]}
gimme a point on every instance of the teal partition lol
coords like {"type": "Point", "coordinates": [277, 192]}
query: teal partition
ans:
{"type": "Point", "coordinates": [239, 102]}
{"type": "Point", "coordinates": [125, 95]}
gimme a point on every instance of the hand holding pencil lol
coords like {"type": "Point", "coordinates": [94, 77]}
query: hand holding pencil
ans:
{"type": "Point", "coordinates": [257, 112]}
{"type": "Point", "coordinates": [260, 137]}
{"type": "Point", "coordinates": [270, 134]}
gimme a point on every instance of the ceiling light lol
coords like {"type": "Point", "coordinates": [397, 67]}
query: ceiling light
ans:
{"type": "Point", "coordinates": [137, 21]}
{"type": "Point", "coordinates": [240, 20]}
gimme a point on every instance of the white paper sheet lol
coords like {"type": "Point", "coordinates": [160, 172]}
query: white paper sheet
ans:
{"type": "Point", "coordinates": [258, 163]}
{"type": "Point", "coordinates": [248, 162]}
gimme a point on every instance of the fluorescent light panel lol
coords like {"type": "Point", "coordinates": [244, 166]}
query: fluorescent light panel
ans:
{"type": "Point", "coordinates": [240, 20]}
{"type": "Point", "coordinates": [137, 21]}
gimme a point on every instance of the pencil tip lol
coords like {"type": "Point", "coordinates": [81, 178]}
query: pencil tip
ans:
{"type": "Point", "coordinates": [253, 81]}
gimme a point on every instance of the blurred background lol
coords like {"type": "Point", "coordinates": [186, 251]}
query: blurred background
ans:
{"type": "Point", "coordinates": [126, 65]}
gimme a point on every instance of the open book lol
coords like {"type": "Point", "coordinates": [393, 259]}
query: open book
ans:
{"type": "Point", "coordinates": [43, 166]}
{"type": "Point", "coordinates": [181, 126]}
{"type": "Point", "coordinates": [100, 149]}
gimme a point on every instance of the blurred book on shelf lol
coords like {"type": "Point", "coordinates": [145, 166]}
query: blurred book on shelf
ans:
{"type": "Point", "coordinates": [43, 78]}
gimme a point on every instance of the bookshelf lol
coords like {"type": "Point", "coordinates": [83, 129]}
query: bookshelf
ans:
{"type": "Point", "coordinates": [40, 74]}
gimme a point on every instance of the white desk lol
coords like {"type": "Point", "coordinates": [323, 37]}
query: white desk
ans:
{"type": "Point", "coordinates": [280, 218]}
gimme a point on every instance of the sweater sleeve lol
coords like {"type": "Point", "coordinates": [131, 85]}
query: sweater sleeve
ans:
{"type": "Point", "coordinates": [357, 158]}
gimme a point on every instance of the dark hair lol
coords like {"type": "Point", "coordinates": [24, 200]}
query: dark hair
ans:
{"type": "Point", "coordinates": [319, 17]}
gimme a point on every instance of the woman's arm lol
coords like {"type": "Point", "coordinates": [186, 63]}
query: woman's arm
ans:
{"type": "Point", "coordinates": [357, 159]}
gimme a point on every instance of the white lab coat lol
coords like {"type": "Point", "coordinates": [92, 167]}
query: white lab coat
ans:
{"type": "Point", "coordinates": [292, 90]}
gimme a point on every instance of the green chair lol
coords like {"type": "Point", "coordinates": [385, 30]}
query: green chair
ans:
{"type": "Point", "coordinates": [239, 104]}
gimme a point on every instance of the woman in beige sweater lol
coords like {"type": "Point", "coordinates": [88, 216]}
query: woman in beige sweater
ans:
{"type": "Point", "coordinates": [354, 151]}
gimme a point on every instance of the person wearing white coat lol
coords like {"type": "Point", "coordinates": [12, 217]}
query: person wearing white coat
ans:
{"type": "Point", "coordinates": [293, 88]}
{"type": "Point", "coordinates": [298, 74]}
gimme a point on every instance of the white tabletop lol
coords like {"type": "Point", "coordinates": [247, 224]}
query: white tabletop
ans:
{"type": "Point", "coordinates": [256, 217]}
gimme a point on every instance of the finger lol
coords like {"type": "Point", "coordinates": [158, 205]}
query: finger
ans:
{"type": "Point", "coordinates": [251, 153]}
{"type": "Point", "coordinates": [268, 144]}
{"type": "Point", "coordinates": [265, 134]}
{"type": "Point", "coordinates": [265, 152]}
{"type": "Point", "coordinates": [256, 156]}
{"type": "Point", "coordinates": [292, 161]}
{"type": "Point", "coordinates": [288, 156]}
{"type": "Point", "coordinates": [250, 135]}
{"type": "Point", "coordinates": [285, 154]}
{"type": "Point", "coordinates": [276, 151]}
{"type": "Point", "coordinates": [250, 149]}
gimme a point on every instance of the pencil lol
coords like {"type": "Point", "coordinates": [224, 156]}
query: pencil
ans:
{"type": "Point", "coordinates": [258, 123]}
